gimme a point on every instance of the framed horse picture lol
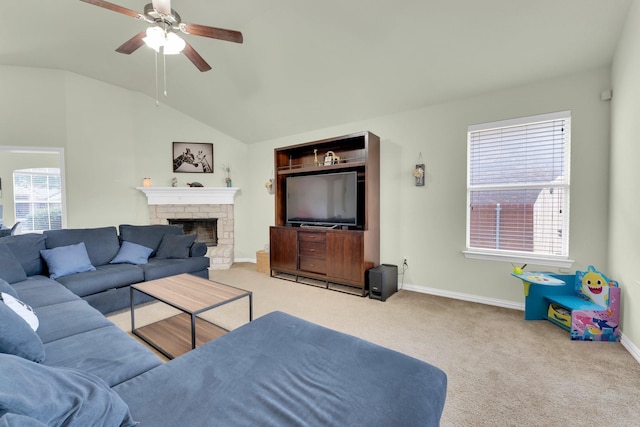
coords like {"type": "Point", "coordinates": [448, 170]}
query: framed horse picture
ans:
{"type": "Point", "coordinates": [193, 157]}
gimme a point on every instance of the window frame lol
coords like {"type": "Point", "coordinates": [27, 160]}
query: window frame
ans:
{"type": "Point", "coordinates": [39, 172]}
{"type": "Point", "coordinates": [514, 256]}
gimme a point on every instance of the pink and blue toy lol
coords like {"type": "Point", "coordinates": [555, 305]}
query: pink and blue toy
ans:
{"type": "Point", "coordinates": [587, 303]}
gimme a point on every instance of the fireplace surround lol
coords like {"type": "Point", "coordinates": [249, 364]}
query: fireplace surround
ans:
{"type": "Point", "coordinates": [186, 203]}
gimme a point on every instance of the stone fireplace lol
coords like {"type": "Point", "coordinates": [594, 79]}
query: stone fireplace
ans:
{"type": "Point", "coordinates": [201, 203]}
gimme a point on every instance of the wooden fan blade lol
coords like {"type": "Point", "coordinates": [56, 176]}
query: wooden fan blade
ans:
{"type": "Point", "coordinates": [195, 57]}
{"type": "Point", "coordinates": [133, 44]}
{"type": "Point", "coordinates": [115, 8]}
{"type": "Point", "coordinates": [212, 32]}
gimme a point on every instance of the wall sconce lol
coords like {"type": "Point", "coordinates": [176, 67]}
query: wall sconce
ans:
{"type": "Point", "coordinates": [146, 182]}
{"type": "Point", "coordinates": [269, 185]}
{"type": "Point", "coordinates": [419, 172]}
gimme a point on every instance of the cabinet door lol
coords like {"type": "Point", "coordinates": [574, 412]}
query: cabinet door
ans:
{"type": "Point", "coordinates": [283, 247]}
{"type": "Point", "coordinates": [345, 256]}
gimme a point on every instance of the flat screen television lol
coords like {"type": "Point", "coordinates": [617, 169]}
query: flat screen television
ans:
{"type": "Point", "coordinates": [323, 200]}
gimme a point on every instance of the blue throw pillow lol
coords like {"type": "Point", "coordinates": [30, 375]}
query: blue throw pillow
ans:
{"type": "Point", "coordinates": [59, 396]}
{"type": "Point", "coordinates": [10, 268]}
{"type": "Point", "coordinates": [7, 288]}
{"type": "Point", "coordinates": [132, 253]}
{"type": "Point", "coordinates": [66, 260]}
{"type": "Point", "coordinates": [17, 337]}
{"type": "Point", "coordinates": [175, 246]}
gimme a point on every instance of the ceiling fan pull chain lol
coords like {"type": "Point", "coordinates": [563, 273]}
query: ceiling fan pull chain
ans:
{"type": "Point", "coordinates": [156, 59]}
{"type": "Point", "coordinates": [164, 73]}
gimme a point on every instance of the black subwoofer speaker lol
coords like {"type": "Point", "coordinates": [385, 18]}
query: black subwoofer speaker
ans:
{"type": "Point", "coordinates": [383, 281]}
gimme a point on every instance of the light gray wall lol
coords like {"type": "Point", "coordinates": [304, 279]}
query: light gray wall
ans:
{"type": "Point", "coordinates": [624, 206]}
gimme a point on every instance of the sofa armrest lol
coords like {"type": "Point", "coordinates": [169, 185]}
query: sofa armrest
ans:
{"type": "Point", "coordinates": [198, 249]}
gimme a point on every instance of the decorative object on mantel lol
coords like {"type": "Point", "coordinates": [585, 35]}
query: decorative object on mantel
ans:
{"type": "Point", "coordinates": [418, 172]}
{"type": "Point", "coordinates": [174, 182]}
{"type": "Point", "coordinates": [194, 184]}
{"type": "Point", "coordinates": [146, 182]}
{"type": "Point", "coordinates": [227, 174]}
{"type": "Point", "coordinates": [193, 157]}
{"type": "Point", "coordinates": [331, 158]}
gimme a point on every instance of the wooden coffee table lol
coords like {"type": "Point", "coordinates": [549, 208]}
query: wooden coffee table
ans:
{"type": "Point", "coordinates": [192, 295]}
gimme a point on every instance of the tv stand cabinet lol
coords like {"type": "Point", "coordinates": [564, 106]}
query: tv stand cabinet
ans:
{"type": "Point", "coordinates": [334, 258]}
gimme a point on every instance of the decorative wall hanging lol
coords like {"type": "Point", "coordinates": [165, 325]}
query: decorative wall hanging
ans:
{"type": "Point", "coordinates": [193, 157]}
{"type": "Point", "coordinates": [419, 172]}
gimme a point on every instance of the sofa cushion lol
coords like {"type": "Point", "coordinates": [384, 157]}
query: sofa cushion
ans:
{"type": "Point", "coordinates": [17, 420]}
{"type": "Point", "coordinates": [67, 319]}
{"type": "Point", "coordinates": [108, 352]}
{"type": "Point", "coordinates": [26, 247]}
{"type": "Point", "coordinates": [40, 291]}
{"type": "Point", "coordinates": [65, 260]}
{"type": "Point", "coordinates": [158, 268]}
{"type": "Point", "coordinates": [17, 337]}
{"type": "Point", "coordinates": [102, 243]}
{"type": "Point", "coordinates": [10, 268]}
{"type": "Point", "coordinates": [175, 247]}
{"type": "Point", "coordinates": [7, 288]}
{"type": "Point", "coordinates": [59, 396]}
{"type": "Point", "coordinates": [148, 235]}
{"type": "Point", "coordinates": [102, 278]}
{"type": "Point", "coordinates": [132, 253]}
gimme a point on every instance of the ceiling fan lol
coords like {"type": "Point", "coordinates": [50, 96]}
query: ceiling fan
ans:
{"type": "Point", "coordinates": [162, 33]}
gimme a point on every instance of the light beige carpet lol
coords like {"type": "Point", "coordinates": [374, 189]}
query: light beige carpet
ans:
{"type": "Point", "coordinates": [502, 370]}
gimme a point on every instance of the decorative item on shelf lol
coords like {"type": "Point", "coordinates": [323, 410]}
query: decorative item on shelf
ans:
{"type": "Point", "coordinates": [227, 174]}
{"type": "Point", "coordinates": [174, 182]}
{"type": "Point", "coordinates": [331, 158]}
{"type": "Point", "coordinates": [315, 157]}
{"type": "Point", "coordinates": [194, 184]}
{"type": "Point", "coordinates": [419, 172]}
{"type": "Point", "coordinates": [146, 182]}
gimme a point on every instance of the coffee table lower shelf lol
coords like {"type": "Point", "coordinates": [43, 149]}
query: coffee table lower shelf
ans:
{"type": "Point", "coordinates": [172, 336]}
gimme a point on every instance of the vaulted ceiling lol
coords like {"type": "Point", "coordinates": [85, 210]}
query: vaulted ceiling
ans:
{"type": "Point", "coordinates": [307, 64]}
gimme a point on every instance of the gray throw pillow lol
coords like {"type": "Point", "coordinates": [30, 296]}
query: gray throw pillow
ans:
{"type": "Point", "coordinates": [59, 396]}
{"type": "Point", "coordinates": [10, 268]}
{"type": "Point", "coordinates": [17, 337]}
{"type": "Point", "coordinates": [175, 246]}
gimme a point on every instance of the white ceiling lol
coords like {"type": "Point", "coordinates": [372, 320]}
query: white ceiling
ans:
{"type": "Point", "coordinates": [306, 64]}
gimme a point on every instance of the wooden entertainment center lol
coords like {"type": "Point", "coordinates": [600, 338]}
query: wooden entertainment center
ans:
{"type": "Point", "coordinates": [335, 257]}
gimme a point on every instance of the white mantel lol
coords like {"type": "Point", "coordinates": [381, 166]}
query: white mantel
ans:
{"type": "Point", "coordinates": [190, 195]}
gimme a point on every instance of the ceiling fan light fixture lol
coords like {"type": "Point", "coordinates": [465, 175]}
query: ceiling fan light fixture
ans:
{"type": "Point", "coordinates": [174, 44]}
{"type": "Point", "coordinates": [155, 38]}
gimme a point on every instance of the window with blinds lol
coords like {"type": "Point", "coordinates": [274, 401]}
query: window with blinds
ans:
{"type": "Point", "coordinates": [37, 199]}
{"type": "Point", "coordinates": [518, 187]}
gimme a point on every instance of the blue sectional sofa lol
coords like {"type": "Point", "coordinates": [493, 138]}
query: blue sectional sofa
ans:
{"type": "Point", "coordinates": [63, 363]}
{"type": "Point", "coordinates": [99, 264]}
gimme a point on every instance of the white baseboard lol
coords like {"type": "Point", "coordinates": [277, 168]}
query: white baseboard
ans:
{"type": "Point", "coordinates": [465, 297]}
{"type": "Point", "coordinates": [631, 347]}
{"type": "Point", "coordinates": [626, 343]}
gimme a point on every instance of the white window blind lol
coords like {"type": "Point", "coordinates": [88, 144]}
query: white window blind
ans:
{"type": "Point", "coordinates": [518, 187]}
{"type": "Point", "coordinates": [38, 199]}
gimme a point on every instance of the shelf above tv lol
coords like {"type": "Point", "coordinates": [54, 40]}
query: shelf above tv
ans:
{"type": "Point", "coordinates": [310, 167]}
